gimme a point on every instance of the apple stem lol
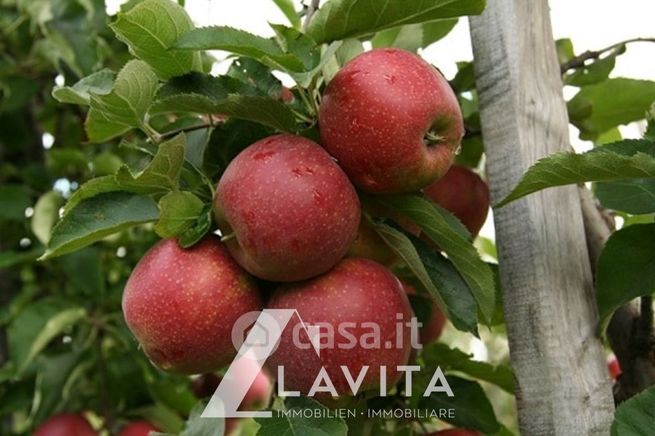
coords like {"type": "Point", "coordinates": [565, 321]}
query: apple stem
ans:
{"type": "Point", "coordinates": [432, 138]}
{"type": "Point", "coordinates": [228, 237]}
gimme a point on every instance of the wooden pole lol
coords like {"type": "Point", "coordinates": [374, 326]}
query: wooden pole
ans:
{"type": "Point", "coordinates": [561, 376]}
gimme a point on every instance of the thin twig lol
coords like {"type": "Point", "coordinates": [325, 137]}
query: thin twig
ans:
{"type": "Point", "coordinates": [579, 61]}
{"type": "Point", "coordinates": [311, 9]}
{"type": "Point", "coordinates": [185, 130]}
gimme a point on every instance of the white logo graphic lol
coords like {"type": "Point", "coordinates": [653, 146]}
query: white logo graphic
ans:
{"type": "Point", "coordinates": [260, 343]}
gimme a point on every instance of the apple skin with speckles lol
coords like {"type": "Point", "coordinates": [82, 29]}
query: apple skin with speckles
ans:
{"type": "Point", "coordinates": [431, 329]}
{"type": "Point", "coordinates": [291, 211]}
{"type": "Point", "coordinates": [138, 428]}
{"type": "Point", "coordinates": [181, 304]}
{"type": "Point", "coordinates": [356, 291]}
{"type": "Point", "coordinates": [65, 424]}
{"type": "Point", "coordinates": [375, 116]}
{"type": "Point", "coordinates": [465, 194]}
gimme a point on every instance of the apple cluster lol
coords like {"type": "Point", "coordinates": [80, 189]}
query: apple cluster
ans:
{"type": "Point", "coordinates": [290, 219]}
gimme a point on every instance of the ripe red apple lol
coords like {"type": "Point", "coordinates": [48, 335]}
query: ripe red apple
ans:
{"type": "Point", "coordinates": [286, 95]}
{"type": "Point", "coordinates": [356, 291]}
{"type": "Point", "coordinates": [205, 385]}
{"type": "Point", "coordinates": [65, 424]}
{"type": "Point", "coordinates": [465, 194]}
{"type": "Point", "coordinates": [456, 432]}
{"type": "Point", "coordinates": [259, 392]}
{"type": "Point", "coordinates": [614, 368]}
{"type": "Point", "coordinates": [290, 211]}
{"type": "Point", "coordinates": [391, 120]}
{"type": "Point", "coordinates": [138, 428]}
{"type": "Point", "coordinates": [257, 397]}
{"type": "Point", "coordinates": [181, 305]}
{"type": "Point", "coordinates": [432, 328]}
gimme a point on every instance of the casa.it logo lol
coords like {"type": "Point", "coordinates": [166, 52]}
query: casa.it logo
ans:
{"type": "Point", "coordinates": [256, 335]}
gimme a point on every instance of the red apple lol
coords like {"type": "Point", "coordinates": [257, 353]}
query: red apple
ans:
{"type": "Point", "coordinates": [356, 291]}
{"type": "Point", "coordinates": [432, 328]}
{"type": "Point", "coordinates": [286, 95]}
{"type": "Point", "coordinates": [465, 194]}
{"type": "Point", "coordinates": [257, 397]}
{"type": "Point", "coordinates": [138, 428]}
{"type": "Point", "coordinates": [181, 305]}
{"type": "Point", "coordinates": [288, 211]}
{"type": "Point", "coordinates": [65, 424]}
{"type": "Point", "coordinates": [391, 120]}
{"type": "Point", "coordinates": [614, 368]}
{"type": "Point", "coordinates": [456, 432]}
{"type": "Point", "coordinates": [259, 392]}
{"type": "Point", "coordinates": [205, 385]}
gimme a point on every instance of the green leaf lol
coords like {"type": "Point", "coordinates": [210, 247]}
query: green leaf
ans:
{"type": "Point", "coordinates": [626, 268]}
{"type": "Point", "coordinates": [161, 174]}
{"type": "Point", "coordinates": [635, 417]}
{"type": "Point", "coordinates": [403, 247]}
{"type": "Point", "coordinates": [197, 93]}
{"type": "Point", "coordinates": [595, 72]}
{"type": "Point", "coordinates": [99, 83]}
{"type": "Point", "coordinates": [459, 302]}
{"type": "Point", "coordinates": [125, 107]}
{"type": "Point", "coordinates": [16, 92]}
{"type": "Point", "coordinates": [253, 73]}
{"type": "Point", "coordinates": [448, 234]}
{"type": "Point", "coordinates": [150, 29]}
{"type": "Point", "coordinates": [197, 229]}
{"type": "Point", "coordinates": [225, 95]}
{"type": "Point", "coordinates": [464, 80]}
{"type": "Point", "coordinates": [298, 424]}
{"type": "Point", "coordinates": [349, 49]}
{"type": "Point", "coordinates": [650, 129]}
{"type": "Point", "coordinates": [453, 359]}
{"type": "Point", "coordinates": [177, 212]}
{"type": "Point", "coordinates": [472, 408]}
{"type": "Point", "coordinates": [36, 325]}
{"type": "Point", "coordinates": [46, 213]}
{"type": "Point", "coordinates": [436, 275]}
{"type": "Point", "coordinates": [288, 9]}
{"type": "Point", "coordinates": [14, 200]}
{"type": "Point", "coordinates": [53, 372]}
{"type": "Point", "coordinates": [197, 426]}
{"type": "Point", "coordinates": [414, 36]}
{"type": "Point", "coordinates": [11, 258]}
{"type": "Point", "coordinates": [85, 271]}
{"type": "Point", "coordinates": [628, 159]}
{"type": "Point", "coordinates": [229, 139]}
{"type": "Point", "coordinates": [471, 152]}
{"type": "Point", "coordinates": [91, 188]}
{"type": "Point", "coordinates": [340, 19]}
{"type": "Point", "coordinates": [304, 79]}
{"type": "Point", "coordinates": [72, 34]}
{"type": "Point", "coordinates": [294, 42]}
{"type": "Point", "coordinates": [565, 50]}
{"type": "Point", "coordinates": [242, 43]}
{"type": "Point", "coordinates": [634, 196]}
{"type": "Point", "coordinates": [96, 217]}
{"type": "Point", "coordinates": [597, 108]}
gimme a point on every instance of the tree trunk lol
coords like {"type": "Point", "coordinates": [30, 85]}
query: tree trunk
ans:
{"type": "Point", "coordinates": [563, 387]}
